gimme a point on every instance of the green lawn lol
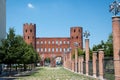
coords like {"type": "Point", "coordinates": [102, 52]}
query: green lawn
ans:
{"type": "Point", "coordinates": [57, 73]}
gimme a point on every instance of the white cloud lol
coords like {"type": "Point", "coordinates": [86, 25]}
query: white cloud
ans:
{"type": "Point", "coordinates": [30, 5]}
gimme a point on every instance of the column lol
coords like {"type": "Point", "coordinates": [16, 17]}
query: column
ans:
{"type": "Point", "coordinates": [116, 45]}
{"type": "Point", "coordinates": [73, 64]}
{"type": "Point", "coordinates": [64, 60]}
{"type": "Point", "coordinates": [76, 60]}
{"type": "Point", "coordinates": [87, 55]}
{"type": "Point", "coordinates": [81, 64]}
{"type": "Point", "coordinates": [101, 57]}
{"type": "Point", "coordinates": [70, 59]}
{"type": "Point", "coordinates": [94, 63]}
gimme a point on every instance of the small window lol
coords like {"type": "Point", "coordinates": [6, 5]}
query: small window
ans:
{"type": "Point", "coordinates": [45, 50]}
{"type": "Point", "coordinates": [41, 42]}
{"type": "Point", "coordinates": [48, 42]}
{"type": "Point", "coordinates": [64, 42]}
{"type": "Point", "coordinates": [68, 42]}
{"type": "Point", "coordinates": [79, 30]}
{"type": "Point", "coordinates": [74, 30]}
{"type": "Point", "coordinates": [60, 42]}
{"type": "Point", "coordinates": [64, 49]}
{"type": "Point", "coordinates": [60, 49]}
{"type": "Point", "coordinates": [56, 42]}
{"type": "Point", "coordinates": [56, 49]}
{"type": "Point", "coordinates": [52, 42]}
{"type": "Point", "coordinates": [37, 49]}
{"type": "Point", "coordinates": [41, 49]}
{"type": "Point", "coordinates": [26, 30]}
{"type": "Point", "coordinates": [76, 37]}
{"type": "Point", "coordinates": [52, 49]}
{"type": "Point", "coordinates": [68, 49]}
{"type": "Point", "coordinates": [30, 30]}
{"type": "Point", "coordinates": [48, 49]}
{"type": "Point", "coordinates": [37, 42]}
{"type": "Point", "coordinates": [28, 37]}
{"type": "Point", "coordinates": [45, 42]}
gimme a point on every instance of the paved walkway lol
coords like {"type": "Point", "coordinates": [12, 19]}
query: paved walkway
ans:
{"type": "Point", "coordinates": [48, 73]}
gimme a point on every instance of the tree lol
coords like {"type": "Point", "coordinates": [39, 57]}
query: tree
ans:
{"type": "Point", "coordinates": [47, 60]}
{"type": "Point", "coordinates": [107, 46]}
{"type": "Point", "coordinates": [80, 52]}
{"type": "Point", "coordinates": [2, 55]}
{"type": "Point", "coordinates": [14, 50]}
{"type": "Point", "coordinates": [8, 47]}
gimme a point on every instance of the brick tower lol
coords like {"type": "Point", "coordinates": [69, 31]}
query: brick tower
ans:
{"type": "Point", "coordinates": [76, 36]}
{"type": "Point", "coordinates": [29, 34]}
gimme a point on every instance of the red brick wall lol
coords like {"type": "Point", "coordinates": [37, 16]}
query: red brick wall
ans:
{"type": "Point", "coordinates": [44, 46]}
{"type": "Point", "coordinates": [50, 46]}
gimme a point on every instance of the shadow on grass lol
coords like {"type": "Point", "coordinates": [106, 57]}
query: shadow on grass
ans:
{"type": "Point", "coordinates": [8, 78]}
{"type": "Point", "coordinates": [20, 74]}
{"type": "Point", "coordinates": [27, 73]}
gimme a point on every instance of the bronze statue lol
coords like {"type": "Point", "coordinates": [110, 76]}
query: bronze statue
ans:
{"type": "Point", "coordinates": [115, 7]}
{"type": "Point", "coordinates": [86, 34]}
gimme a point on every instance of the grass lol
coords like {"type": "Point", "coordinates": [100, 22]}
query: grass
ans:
{"type": "Point", "coordinates": [109, 76]}
{"type": "Point", "coordinates": [57, 73]}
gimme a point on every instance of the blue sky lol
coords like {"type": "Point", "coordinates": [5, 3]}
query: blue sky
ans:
{"type": "Point", "coordinates": [54, 18]}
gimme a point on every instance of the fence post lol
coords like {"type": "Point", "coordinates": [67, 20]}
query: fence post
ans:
{"type": "Point", "coordinates": [73, 64]}
{"type": "Point", "coordinates": [81, 64]}
{"type": "Point", "coordinates": [94, 63]}
{"type": "Point", "coordinates": [87, 55]}
{"type": "Point", "coordinates": [116, 45]}
{"type": "Point", "coordinates": [101, 57]}
{"type": "Point", "coordinates": [76, 60]}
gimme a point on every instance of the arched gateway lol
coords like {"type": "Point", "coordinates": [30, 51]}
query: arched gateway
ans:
{"type": "Point", "coordinates": [48, 47]}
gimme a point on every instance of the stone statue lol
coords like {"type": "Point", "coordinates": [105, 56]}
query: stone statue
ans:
{"type": "Point", "coordinates": [115, 7]}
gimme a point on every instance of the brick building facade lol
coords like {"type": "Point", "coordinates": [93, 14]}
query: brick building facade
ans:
{"type": "Point", "coordinates": [52, 47]}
